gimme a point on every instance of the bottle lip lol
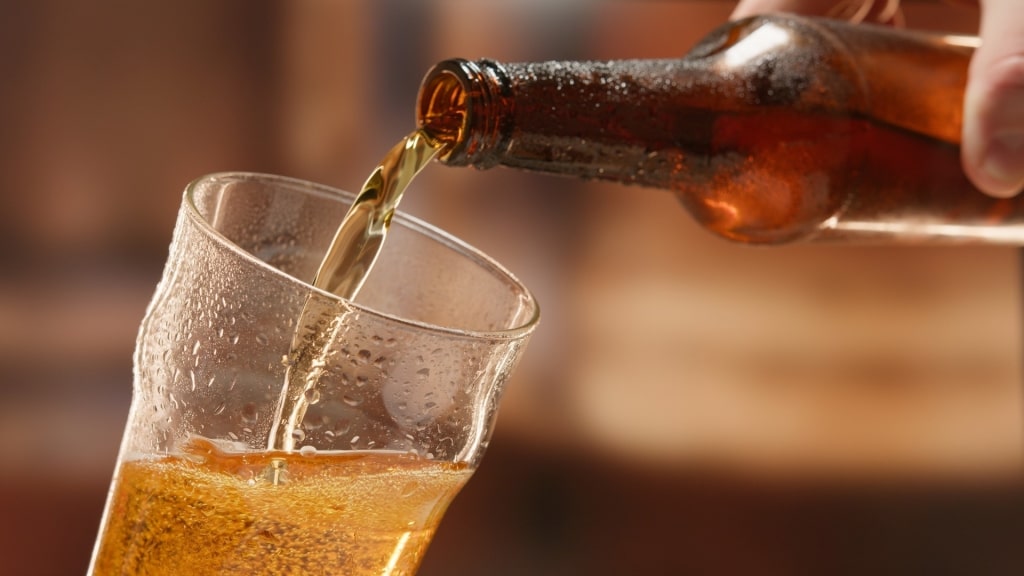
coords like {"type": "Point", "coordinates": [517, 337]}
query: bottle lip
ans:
{"type": "Point", "coordinates": [459, 106]}
{"type": "Point", "coordinates": [441, 110]}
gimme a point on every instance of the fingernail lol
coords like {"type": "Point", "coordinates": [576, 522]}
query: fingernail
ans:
{"type": "Point", "coordinates": [1004, 161]}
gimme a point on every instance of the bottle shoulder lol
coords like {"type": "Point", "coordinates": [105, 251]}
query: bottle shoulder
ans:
{"type": "Point", "coordinates": [910, 80]}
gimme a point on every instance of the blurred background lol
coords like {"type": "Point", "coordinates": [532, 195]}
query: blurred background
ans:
{"type": "Point", "coordinates": [687, 407]}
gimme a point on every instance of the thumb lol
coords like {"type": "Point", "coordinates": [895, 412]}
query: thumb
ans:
{"type": "Point", "coordinates": [993, 136]}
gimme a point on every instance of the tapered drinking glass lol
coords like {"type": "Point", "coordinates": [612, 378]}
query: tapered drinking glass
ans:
{"type": "Point", "coordinates": [389, 403]}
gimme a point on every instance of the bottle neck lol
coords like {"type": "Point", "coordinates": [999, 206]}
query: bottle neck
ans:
{"type": "Point", "coordinates": [617, 120]}
{"type": "Point", "coordinates": [467, 107]}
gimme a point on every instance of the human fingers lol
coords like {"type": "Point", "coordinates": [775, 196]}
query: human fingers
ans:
{"type": "Point", "coordinates": [993, 133]}
{"type": "Point", "coordinates": [811, 7]}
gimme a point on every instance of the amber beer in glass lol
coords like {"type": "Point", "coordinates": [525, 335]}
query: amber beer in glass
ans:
{"type": "Point", "coordinates": [399, 392]}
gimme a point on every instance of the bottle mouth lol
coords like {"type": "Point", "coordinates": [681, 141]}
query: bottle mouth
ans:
{"type": "Point", "coordinates": [443, 111]}
{"type": "Point", "coordinates": [465, 107]}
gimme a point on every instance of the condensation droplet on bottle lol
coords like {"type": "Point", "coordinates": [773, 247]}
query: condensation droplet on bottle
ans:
{"type": "Point", "coordinates": [195, 347]}
{"type": "Point", "coordinates": [352, 400]}
{"type": "Point", "coordinates": [219, 409]}
{"type": "Point", "coordinates": [307, 450]}
{"type": "Point", "coordinates": [262, 339]}
{"type": "Point", "coordinates": [423, 372]}
{"type": "Point", "coordinates": [298, 435]}
{"type": "Point", "coordinates": [360, 381]}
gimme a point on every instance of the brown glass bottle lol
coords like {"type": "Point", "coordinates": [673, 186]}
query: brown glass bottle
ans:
{"type": "Point", "coordinates": [772, 129]}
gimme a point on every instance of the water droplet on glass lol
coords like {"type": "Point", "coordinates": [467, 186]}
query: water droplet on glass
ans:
{"type": "Point", "coordinates": [423, 372]}
{"type": "Point", "coordinates": [360, 381]}
{"type": "Point", "coordinates": [262, 339]}
{"type": "Point", "coordinates": [352, 400]}
{"type": "Point", "coordinates": [307, 450]}
{"type": "Point", "coordinates": [195, 347]}
{"type": "Point", "coordinates": [249, 412]}
{"type": "Point", "coordinates": [219, 409]}
{"type": "Point", "coordinates": [314, 423]}
{"type": "Point", "coordinates": [341, 427]}
{"type": "Point", "coordinates": [312, 395]}
{"type": "Point", "coordinates": [364, 356]}
{"type": "Point", "coordinates": [298, 435]}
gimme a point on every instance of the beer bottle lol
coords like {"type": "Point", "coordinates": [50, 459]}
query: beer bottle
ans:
{"type": "Point", "coordinates": [772, 129]}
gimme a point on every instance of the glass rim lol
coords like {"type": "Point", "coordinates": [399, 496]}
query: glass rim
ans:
{"type": "Point", "coordinates": [521, 330]}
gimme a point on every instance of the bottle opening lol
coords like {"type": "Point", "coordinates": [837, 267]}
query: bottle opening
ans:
{"type": "Point", "coordinates": [442, 110]}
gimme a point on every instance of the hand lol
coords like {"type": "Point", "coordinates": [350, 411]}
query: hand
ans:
{"type": "Point", "coordinates": [993, 131]}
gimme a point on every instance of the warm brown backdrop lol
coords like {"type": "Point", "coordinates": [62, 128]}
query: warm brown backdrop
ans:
{"type": "Point", "coordinates": [688, 406]}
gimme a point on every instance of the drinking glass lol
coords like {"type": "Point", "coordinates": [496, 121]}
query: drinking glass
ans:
{"type": "Point", "coordinates": [391, 397]}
